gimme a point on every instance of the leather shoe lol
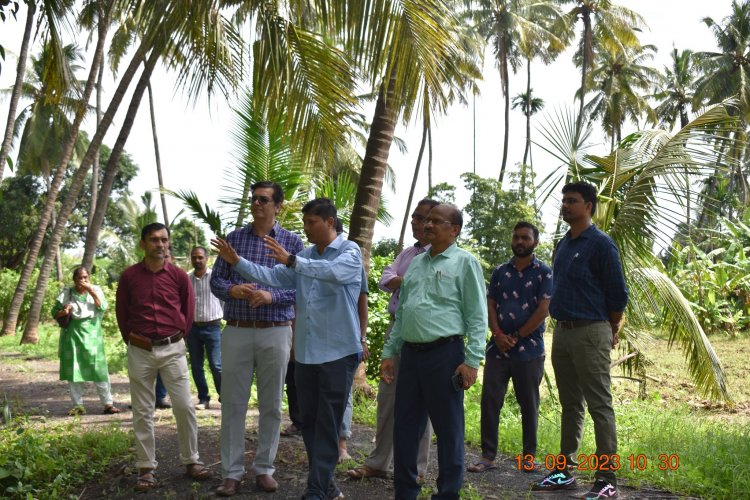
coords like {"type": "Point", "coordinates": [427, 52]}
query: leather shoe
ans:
{"type": "Point", "coordinates": [163, 404]}
{"type": "Point", "coordinates": [266, 482]}
{"type": "Point", "coordinates": [228, 488]}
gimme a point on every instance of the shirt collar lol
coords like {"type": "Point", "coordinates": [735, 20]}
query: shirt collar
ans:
{"type": "Point", "coordinates": [534, 262]}
{"type": "Point", "coordinates": [272, 232]}
{"type": "Point", "coordinates": [585, 234]}
{"type": "Point", "coordinates": [448, 252]}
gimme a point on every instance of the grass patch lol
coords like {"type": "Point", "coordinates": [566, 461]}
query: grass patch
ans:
{"type": "Point", "coordinates": [52, 461]}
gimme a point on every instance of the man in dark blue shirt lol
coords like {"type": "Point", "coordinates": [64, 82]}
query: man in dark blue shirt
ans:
{"type": "Point", "coordinates": [517, 302]}
{"type": "Point", "coordinates": [588, 299]}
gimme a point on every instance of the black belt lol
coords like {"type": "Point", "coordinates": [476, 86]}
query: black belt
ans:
{"type": "Point", "coordinates": [576, 323]}
{"type": "Point", "coordinates": [256, 323]}
{"type": "Point", "coordinates": [427, 346]}
{"type": "Point", "coordinates": [207, 323]}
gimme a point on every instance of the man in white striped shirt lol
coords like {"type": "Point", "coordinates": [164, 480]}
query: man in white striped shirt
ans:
{"type": "Point", "coordinates": [205, 336]}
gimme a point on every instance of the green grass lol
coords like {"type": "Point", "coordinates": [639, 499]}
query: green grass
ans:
{"type": "Point", "coordinates": [53, 460]}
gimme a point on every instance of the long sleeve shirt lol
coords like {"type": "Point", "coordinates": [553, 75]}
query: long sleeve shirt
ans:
{"type": "Point", "coordinates": [442, 296]}
{"type": "Point", "coordinates": [398, 268]}
{"type": "Point", "coordinates": [252, 248]}
{"type": "Point", "coordinates": [327, 288]}
{"type": "Point", "coordinates": [154, 304]}
{"type": "Point", "coordinates": [589, 282]}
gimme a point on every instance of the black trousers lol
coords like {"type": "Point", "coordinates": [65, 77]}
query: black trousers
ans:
{"type": "Point", "coordinates": [526, 376]}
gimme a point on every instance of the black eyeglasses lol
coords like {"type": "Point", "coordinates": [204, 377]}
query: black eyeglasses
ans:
{"type": "Point", "coordinates": [264, 200]}
{"type": "Point", "coordinates": [437, 222]}
{"type": "Point", "coordinates": [419, 219]}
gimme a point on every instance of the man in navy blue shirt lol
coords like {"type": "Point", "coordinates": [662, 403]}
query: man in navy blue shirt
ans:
{"type": "Point", "coordinates": [588, 299]}
{"type": "Point", "coordinates": [517, 302]}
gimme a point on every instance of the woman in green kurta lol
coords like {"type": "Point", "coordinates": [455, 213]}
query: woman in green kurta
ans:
{"type": "Point", "coordinates": [82, 357]}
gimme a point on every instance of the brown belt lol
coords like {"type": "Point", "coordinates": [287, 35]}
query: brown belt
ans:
{"type": "Point", "coordinates": [576, 323]}
{"type": "Point", "coordinates": [147, 343]}
{"type": "Point", "coordinates": [256, 323]}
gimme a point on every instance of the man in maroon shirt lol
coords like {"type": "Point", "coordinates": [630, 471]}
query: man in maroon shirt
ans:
{"type": "Point", "coordinates": [155, 306]}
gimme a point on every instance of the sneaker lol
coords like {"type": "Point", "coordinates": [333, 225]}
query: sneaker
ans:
{"type": "Point", "coordinates": [203, 405]}
{"type": "Point", "coordinates": [601, 489]}
{"type": "Point", "coordinates": [163, 404]}
{"type": "Point", "coordinates": [555, 480]}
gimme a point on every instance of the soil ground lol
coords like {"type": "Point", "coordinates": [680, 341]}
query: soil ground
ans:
{"type": "Point", "coordinates": [33, 388]}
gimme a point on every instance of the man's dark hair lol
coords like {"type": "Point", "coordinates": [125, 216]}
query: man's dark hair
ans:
{"type": "Point", "coordinates": [278, 194]}
{"type": "Point", "coordinates": [78, 270]}
{"type": "Point", "coordinates": [586, 190]}
{"type": "Point", "coordinates": [152, 228]}
{"type": "Point", "coordinates": [528, 225]}
{"type": "Point", "coordinates": [339, 226]}
{"type": "Point", "coordinates": [321, 207]}
{"type": "Point", "coordinates": [428, 201]}
{"type": "Point", "coordinates": [205, 252]}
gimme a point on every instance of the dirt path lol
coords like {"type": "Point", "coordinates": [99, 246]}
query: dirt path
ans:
{"type": "Point", "coordinates": [33, 388]}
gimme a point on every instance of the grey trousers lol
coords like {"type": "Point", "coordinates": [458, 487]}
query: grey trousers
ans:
{"type": "Point", "coordinates": [581, 360]}
{"type": "Point", "coordinates": [262, 353]}
{"type": "Point", "coordinates": [381, 458]}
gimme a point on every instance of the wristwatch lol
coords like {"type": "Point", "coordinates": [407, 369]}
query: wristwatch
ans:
{"type": "Point", "coordinates": [291, 260]}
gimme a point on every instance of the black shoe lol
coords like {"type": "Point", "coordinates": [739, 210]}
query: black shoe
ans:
{"type": "Point", "coordinates": [203, 405]}
{"type": "Point", "coordinates": [163, 404]}
{"type": "Point", "coordinates": [555, 480]}
{"type": "Point", "coordinates": [601, 489]}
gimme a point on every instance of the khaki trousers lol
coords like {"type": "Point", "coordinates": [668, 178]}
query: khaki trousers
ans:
{"type": "Point", "coordinates": [581, 359]}
{"type": "Point", "coordinates": [171, 363]}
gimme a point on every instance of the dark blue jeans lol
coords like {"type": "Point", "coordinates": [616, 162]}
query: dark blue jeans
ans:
{"type": "Point", "coordinates": [205, 339]}
{"type": "Point", "coordinates": [159, 389]}
{"type": "Point", "coordinates": [424, 388]}
{"type": "Point", "coordinates": [323, 391]}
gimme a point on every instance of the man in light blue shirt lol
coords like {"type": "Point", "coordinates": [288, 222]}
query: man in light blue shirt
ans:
{"type": "Point", "coordinates": [327, 347]}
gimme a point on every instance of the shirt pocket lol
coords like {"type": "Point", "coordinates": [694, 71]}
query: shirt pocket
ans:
{"type": "Point", "coordinates": [446, 286]}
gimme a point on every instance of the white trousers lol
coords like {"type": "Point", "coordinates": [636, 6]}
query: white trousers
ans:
{"type": "Point", "coordinates": [171, 363]}
{"type": "Point", "coordinates": [78, 389]}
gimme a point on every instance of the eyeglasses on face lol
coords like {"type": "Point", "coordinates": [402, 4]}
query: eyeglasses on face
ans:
{"type": "Point", "coordinates": [419, 219]}
{"type": "Point", "coordinates": [437, 222]}
{"type": "Point", "coordinates": [263, 200]}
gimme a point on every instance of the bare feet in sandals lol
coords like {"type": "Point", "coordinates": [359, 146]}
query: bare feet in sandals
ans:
{"type": "Point", "coordinates": [146, 480]}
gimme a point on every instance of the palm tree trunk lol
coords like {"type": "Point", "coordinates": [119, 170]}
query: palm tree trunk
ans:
{"type": "Point", "coordinates": [31, 331]}
{"type": "Point", "coordinates": [587, 56]}
{"type": "Point", "coordinates": [16, 94]}
{"type": "Point", "coordinates": [527, 150]}
{"type": "Point", "coordinates": [95, 164]}
{"type": "Point", "coordinates": [156, 154]}
{"type": "Point", "coordinates": [11, 318]}
{"type": "Point", "coordinates": [506, 94]}
{"type": "Point", "coordinates": [367, 200]}
{"type": "Point", "coordinates": [425, 131]}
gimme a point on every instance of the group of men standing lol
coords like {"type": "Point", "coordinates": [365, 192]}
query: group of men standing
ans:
{"type": "Point", "coordinates": [277, 293]}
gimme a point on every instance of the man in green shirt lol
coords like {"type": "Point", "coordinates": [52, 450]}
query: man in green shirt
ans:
{"type": "Point", "coordinates": [443, 300]}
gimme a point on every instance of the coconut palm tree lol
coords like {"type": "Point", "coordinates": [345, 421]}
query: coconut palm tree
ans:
{"type": "Point", "coordinates": [518, 29]}
{"type": "Point", "coordinates": [675, 89]}
{"type": "Point", "coordinates": [639, 184]}
{"type": "Point", "coordinates": [11, 317]}
{"type": "Point", "coordinates": [612, 26]}
{"type": "Point", "coordinates": [167, 28]}
{"type": "Point", "coordinates": [726, 73]}
{"type": "Point", "coordinates": [529, 105]}
{"type": "Point", "coordinates": [620, 80]}
{"type": "Point", "coordinates": [52, 17]}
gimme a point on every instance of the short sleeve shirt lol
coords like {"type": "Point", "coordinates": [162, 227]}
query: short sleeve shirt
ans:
{"type": "Point", "coordinates": [517, 294]}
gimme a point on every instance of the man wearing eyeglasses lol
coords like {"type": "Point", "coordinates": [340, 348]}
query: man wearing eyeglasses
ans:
{"type": "Point", "coordinates": [256, 341]}
{"type": "Point", "coordinates": [443, 304]}
{"type": "Point", "coordinates": [589, 296]}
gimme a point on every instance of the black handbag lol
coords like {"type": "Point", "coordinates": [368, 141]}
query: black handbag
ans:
{"type": "Point", "coordinates": [63, 321]}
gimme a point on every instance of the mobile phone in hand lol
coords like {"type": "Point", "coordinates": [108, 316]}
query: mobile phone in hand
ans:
{"type": "Point", "coordinates": [458, 381]}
